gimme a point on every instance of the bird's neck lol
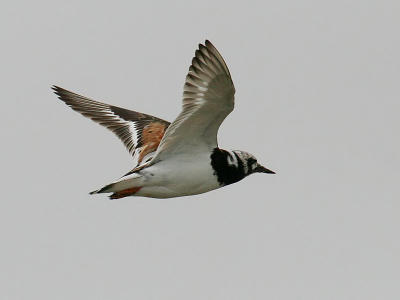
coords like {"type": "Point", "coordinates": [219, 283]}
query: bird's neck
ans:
{"type": "Point", "coordinates": [227, 166]}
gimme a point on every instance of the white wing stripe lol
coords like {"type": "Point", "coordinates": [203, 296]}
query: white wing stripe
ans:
{"type": "Point", "coordinates": [133, 131]}
{"type": "Point", "coordinates": [126, 124]}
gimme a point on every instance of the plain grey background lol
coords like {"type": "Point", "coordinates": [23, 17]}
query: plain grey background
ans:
{"type": "Point", "coordinates": [317, 101]}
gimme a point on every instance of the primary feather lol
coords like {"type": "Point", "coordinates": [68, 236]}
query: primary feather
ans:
{"type": "Point", "coordinates": [140, 133]}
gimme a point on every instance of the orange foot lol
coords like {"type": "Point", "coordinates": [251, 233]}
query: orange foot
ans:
{"type": "Point", "coordinates": [125, 193]}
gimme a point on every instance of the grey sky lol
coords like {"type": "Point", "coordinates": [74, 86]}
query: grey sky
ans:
{"type": "Point", "coordinates": [317, 101]}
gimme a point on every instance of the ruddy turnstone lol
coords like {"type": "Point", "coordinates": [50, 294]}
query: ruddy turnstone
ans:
{"type": "Point", "coordinates": [179, 158]}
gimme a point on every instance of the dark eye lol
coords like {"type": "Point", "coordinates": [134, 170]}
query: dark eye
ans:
{"type": "Point", "coordinates": [251, 161]}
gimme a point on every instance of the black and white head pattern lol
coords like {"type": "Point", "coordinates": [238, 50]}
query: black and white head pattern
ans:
{"type": "Point", "coordinates": [232, 166]}
{"type": "Point", "coordinates": [248, 160]}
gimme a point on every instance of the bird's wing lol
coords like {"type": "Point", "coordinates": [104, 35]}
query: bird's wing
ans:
{"type": "Point", "coordinates": [208, 98]}
{"type": "Point", "coordinates": [140, 133]}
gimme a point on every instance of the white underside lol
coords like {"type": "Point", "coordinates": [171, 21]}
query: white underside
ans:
{"type": "Point", "coordinates": [175, 177]}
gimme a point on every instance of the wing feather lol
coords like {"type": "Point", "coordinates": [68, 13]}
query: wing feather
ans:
{"type": "Point", "coordinates": [140, 133]}
{"type": "Point", "coordinates": [208, 98]}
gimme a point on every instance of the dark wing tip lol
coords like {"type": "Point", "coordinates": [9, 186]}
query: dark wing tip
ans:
{"type": "Point", "coordinates": [56, 88]}
{"type": "Point", "coordinates": [202, 48]}
{"type": "Point", "coordinates": [58, 91]}
{"type": "Point", "coordinates": [63, 95]}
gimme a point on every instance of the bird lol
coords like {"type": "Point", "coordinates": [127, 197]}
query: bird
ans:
{"type": "Point", "coordinates": [181, 158]}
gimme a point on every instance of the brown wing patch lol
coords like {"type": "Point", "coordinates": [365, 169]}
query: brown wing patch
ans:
{"type": "Point", "coordinates": [151, 137]}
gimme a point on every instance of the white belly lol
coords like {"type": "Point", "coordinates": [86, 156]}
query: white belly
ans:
{"type": "Point", "coordinates": [180, 177]}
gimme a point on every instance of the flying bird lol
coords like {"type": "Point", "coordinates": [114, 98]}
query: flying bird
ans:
{"type": "Point", "coordinates": [180, 158]}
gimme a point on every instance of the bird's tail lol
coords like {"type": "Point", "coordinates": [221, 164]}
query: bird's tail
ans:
{"type": "Point", "coordinates": [104, 189]}
{"type": "Point", "coordinates": [126, 182]}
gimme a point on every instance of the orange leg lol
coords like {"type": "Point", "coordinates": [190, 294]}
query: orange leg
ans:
{"type": "Point", "coordinates": [125, 193]}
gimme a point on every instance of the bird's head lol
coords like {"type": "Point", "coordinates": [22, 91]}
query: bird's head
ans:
{"type": "Point", "coordinates": [250, 163]}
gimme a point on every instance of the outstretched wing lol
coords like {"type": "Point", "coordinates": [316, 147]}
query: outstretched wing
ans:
{"type": "Point", "coordinates": [140, 133]}
{"type": "Point", "coordinates": [208, 98]}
